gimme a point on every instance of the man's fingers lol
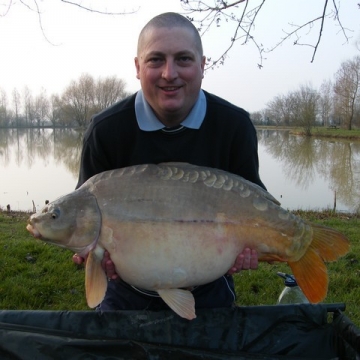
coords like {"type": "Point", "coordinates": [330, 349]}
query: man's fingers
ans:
{"type": "Point", "coordinates": [254, 260]}
{"type": "Point", "coordinates": [247, 260]}
{"type": "Point", "coordinates": [78, 259]}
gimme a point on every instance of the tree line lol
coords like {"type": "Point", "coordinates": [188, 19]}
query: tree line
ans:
{"type": "Point", "coordinates": [74, 107]}
{"type": "Point", "coordinates": [336, 103]}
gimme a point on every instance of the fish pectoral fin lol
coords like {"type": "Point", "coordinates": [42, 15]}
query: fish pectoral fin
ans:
{"type": "Point", "coordinates": [95, 280]}
{"type": "Point", "coordinates": [180, 301]}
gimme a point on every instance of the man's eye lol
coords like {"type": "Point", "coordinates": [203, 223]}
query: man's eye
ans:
{"type": "Point", "coordinates": [184, 59]}
{"type": "Point", "coordinates": [154, 60]}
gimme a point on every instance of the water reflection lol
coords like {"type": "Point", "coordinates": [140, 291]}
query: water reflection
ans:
{"type": "Point", "coordinates": [42, 164]}
{"type": "Point", "coordinates": [307, 160]}
{"type": "Point", "coordinates": [37, 164]}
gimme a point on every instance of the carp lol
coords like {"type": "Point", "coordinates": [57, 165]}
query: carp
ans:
{"type": "Point", "coordinates": [172, 226]}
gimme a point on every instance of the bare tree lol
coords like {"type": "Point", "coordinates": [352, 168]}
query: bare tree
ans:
{"type": "Point", "coordinates": [85, 97]}
{"type": "Point", "coordinates": [78, 101]}
{"type": "Point", "coordinates": [16, 103]}
{"type": "Point", "coordinates": [41, 108]}
{"type": "Point", "coordinates": [347, 90]}
{"type": "Point", "coordinates": [304, 112]}
{"type": "Point", "coordinates": [4, 119]}
{"type": "Point", "coordinates": [54, 110]}
{"type": "Point", "coordinates": [326, 102]}
{"type": "Point", "coordinates": [257, 117]}
{"type": "Point", "coordinates": [242, 16]}
{"type": "Point", "coordinates": [108, 91]}
{"type": "Point", "coordinates": [281, 109]}
{"type": "Point", "coordinates": [28, 104]}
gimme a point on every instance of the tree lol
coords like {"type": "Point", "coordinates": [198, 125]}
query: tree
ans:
{"type": "Point", "coordinates": [54, 110]}
{"type": "Point", "coordinates": [108, 91]}
{"type": "Point", "coordinates": [325, 102]}
{"type": "Point", "coordinates": [16, 104]}
{"type": "Point", "coordinates": [347, 90]}
{"type": "Point", "coordinates": [257, 117]}
{"type": "Point", "coordinates": [85, 97]}
{"type": "Point", "coordinates": [41, 108]}
{"type": "Point", "coordinates": [28, 106]}
{"type": "Point", "coordinates": [78, 101]}
{"type": "Point", "coordinates": [4, 119]}
{"type": "Point", "coordinates": [281, 109]}
{"type": "Point", "coordinates": [304, 111]}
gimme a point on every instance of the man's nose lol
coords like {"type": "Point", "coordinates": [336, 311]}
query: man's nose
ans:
{"type": "Point", "coordinates": [169, 71]}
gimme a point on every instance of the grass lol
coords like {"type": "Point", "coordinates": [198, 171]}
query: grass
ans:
{"type": "Point", "coordinates": [37, 276]}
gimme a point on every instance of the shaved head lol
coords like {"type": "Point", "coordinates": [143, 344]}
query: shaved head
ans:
{"type": "Point", "coordinates": [170, 20]}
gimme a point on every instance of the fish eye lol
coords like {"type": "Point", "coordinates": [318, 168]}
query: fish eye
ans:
{"type": "Point", "coordinates": [55, 214]}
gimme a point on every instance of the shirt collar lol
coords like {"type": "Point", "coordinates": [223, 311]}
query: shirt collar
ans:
{"type": "Point", "coordinates": [148, 121]}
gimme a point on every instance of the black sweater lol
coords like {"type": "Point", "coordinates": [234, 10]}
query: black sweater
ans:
{"type": "Point", "coordinates": [226, 140]}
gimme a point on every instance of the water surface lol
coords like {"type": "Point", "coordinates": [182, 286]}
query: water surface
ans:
{"type": "Point", "coordinates": [302, 173]}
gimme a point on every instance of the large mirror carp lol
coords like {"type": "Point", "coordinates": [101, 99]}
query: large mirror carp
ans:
{"type": "Point", "coordinates": [172, 226]}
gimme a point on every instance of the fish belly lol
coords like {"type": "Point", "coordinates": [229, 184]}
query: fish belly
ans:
{"type": "Point", "coordinates": [167, 255]}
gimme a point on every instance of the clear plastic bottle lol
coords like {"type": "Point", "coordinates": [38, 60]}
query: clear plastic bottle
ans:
{"type": "Point", "coordinates": [292, 294]}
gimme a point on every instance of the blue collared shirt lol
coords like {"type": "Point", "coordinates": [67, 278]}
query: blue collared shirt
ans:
{"type": "Point", "coordinates": [148, 121]}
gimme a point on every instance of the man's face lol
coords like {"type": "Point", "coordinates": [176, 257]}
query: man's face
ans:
{"type": "Point", "coordinates": [170, 69]}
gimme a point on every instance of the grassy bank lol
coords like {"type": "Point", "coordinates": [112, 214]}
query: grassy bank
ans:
{"type": "Point", "coordinates": [37, 276]}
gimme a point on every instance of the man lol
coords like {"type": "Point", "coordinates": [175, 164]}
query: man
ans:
{"type": "Point", "coordinates": [171, 119]}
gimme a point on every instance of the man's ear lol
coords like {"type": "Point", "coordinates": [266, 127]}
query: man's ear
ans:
{"type": "Point", "coordinates": [137, 66]}
{"type": "Point", "coordinates": [203, 63]}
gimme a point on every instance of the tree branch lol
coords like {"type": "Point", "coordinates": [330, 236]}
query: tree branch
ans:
{"type": "Point", "coordinates": [220, 10]}
{"type": "Point", "coordinates": [321, 30]}
{"type": "Point", "coordinates": [7, 9]}
{"type": "Point", "coordinates": [98, 11]}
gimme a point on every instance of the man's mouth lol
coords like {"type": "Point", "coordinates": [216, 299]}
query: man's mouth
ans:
{"type": "Point", "coordinates": [170, 88]}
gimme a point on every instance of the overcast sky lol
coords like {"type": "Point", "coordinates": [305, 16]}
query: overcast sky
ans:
{"type": "Point", "coordinates": [85, 42]}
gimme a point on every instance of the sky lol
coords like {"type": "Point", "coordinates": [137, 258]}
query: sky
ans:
{"type": "Point", "coordinates": [75, 41]}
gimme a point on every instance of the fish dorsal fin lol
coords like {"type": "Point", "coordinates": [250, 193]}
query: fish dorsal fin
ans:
{"type": "Point", "coordinates": [95, 278]}
{"type": "Point", "coordinates": [180, 301]}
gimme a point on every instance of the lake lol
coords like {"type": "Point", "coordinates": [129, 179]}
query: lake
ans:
{"type": "Point", "coordinates": [302, 173]}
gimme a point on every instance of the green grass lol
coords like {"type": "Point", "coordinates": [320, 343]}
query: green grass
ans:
{"type": "Point", "coordinates": [35, 275]}
{"type": "Point", "coordinates": [38, 276]}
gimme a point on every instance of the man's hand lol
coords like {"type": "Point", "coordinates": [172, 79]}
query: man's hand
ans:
{"type": "Point", "coordinates": [247, 260]}
{"type": "Point", "coordinates": [106, 264]}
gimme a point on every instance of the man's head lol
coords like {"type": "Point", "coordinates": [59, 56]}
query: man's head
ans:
{"type": "Point", "coordinates": [170, 65]}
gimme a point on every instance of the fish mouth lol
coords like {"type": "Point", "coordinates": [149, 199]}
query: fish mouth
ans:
{"type": "Point", "coordinates": [33, 231]}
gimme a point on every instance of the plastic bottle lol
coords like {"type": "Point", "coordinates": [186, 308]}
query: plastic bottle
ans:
{"type": "Point", "coordinates": [291, 294]}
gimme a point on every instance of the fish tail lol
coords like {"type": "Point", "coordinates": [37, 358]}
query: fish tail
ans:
{"type": "Point", "coordinates": [310, 271]}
